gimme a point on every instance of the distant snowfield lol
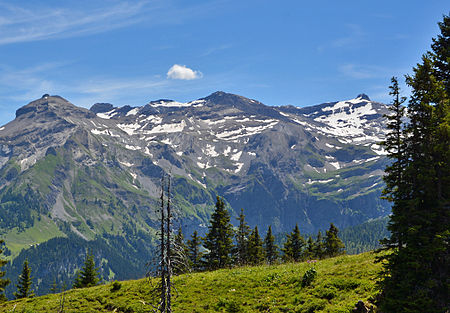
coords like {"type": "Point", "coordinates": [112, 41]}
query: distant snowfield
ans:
{"type": "Point", "coordinates": [347, 122]}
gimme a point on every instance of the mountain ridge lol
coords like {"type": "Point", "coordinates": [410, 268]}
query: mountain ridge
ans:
{"type": "Point", "coordinates": [95, 173]}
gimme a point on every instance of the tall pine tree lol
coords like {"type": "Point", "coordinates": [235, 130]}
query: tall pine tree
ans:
{"type": "Point", "coordinates": [270, 248]}
{"type": "Point", "coordinates": [240, 251]}
{"type": "Point", "coordinates": [293, 247]}
{"type": "Point", "coordinates": [219, 239]}
{"type": "Point", "coordinates": [333, 244]}
{"type": "Point", "coordinates": [194, 252]}
{"type": "Point", "coordinates": [255, 248]}
{"type": "Point", "coordinates": [88, 276]}
{"type": "Point", "coordinates": [319, 246]}
{"type": "Point", "coordinates": [3, 282]}
{"type": "Point", "coordinates": [24, 283]}
{"type": "Point", "coordinates": [416, 274]}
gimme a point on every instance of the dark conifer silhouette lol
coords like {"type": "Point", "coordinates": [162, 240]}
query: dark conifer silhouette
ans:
{"type": "Point", "coordinates": [24, 283]}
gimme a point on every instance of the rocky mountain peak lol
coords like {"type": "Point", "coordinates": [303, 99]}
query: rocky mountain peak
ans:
{"type": "Point", "coordinates": [52, 108]}
{"type": "Point", "coordinates": [220, 97]}
{"type": "Point", "coordinates": [44, 104]}
{"type": "Point", "coordinates": [101, 107]}
{"type": "Point", "coordinates": [363, 96]}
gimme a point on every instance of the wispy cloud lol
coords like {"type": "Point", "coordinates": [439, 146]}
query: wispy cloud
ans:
{"type": "Point", "coordinates": [216, 49]}
{"type": "Point", "coordinates": [20, 24]}
{"type": "Point", "coordinates": [26, 23]}
{"type": "Point", "coordinates": [351, 39]}
{"type": "Point", "coordinates": [358, 71]}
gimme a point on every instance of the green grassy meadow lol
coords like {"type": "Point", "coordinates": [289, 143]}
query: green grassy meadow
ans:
{"type": "Point", "coordinates": [339, 284]}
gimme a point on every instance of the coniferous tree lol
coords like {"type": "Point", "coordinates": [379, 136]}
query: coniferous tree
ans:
{"type": "Point", "coordinates": [293, 247]}
{"type": "Point", "coordinates": [333, 244]}
{"type": "Point", "coordinates": [179, 253]}
{"type": "Point", "coordinates": [88, 276]}
{"type": "Point", "coordinates": [319, 246]}
{"type": "Point", "coordinates": [219, 239]}
{"type": "Point", "coordinates": [309, 249]}
{"type": "Point", "coordinates": [24, 283]}
{"type": "Point", "coordinates": [240, 250]}
{"type": "Point", "coordinates": [194, 253]}
{"type": "Point", "coordinates": [415, 276]}
{"type": "Point", "coordinates": [3, 282]}
{"type": "Point", "coordinates": [255, 248]}
{"type": "Point", "coordinates": [270, 248]}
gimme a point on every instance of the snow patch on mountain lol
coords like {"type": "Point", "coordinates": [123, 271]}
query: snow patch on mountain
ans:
{"type": "Point", "coordinates": [107, 115]}
{"type": "Point", "coordinates": [133, 112]}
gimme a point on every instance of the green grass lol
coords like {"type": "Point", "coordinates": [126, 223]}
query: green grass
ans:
{"type": "Point", "coordinates": [43, 230]}
{"type": "Point", "coordinates": [339, 284]}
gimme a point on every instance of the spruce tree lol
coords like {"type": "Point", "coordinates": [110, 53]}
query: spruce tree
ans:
{"type": "Point", "coordinates": [240, 251]}
{"type": "Point", "coordinates": [416, 274]}
{"type": "Point", "coordinates": [309, 250]}
{"type": "Point", "coordinates": [293, 247]}
{"type": "Point", "coordinates": [88, 276]}
{"type": "Point", "coordinates": [24, 283]}
{"type": "Point", "coordinates": [219, 239]}
{"type": "Point", "coordinates": [255, 248]}
{"type": "Point", "coordinates": [3, 282]}
{"type": "Point", "coordinates": [270, 248]}
{"type": "Point", "coordinates": [333, 244]}
{"type": "Point", "coordinates": [194, 253]}
{"type": "Point", "coordinates": [319, 246]}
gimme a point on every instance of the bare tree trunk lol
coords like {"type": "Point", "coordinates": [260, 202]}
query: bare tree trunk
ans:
{"type": "Point", "coordinates": [163, 253]}
{"type": "Point", "coordinates": [168, 249]}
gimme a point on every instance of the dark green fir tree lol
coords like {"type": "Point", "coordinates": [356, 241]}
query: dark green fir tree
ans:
{"type": "Point", "coordinates": [416, 272]}
{"type": "Point", "coordinates": [319, 246]}
{"type": "Point", "coordinates": [293, 247]}
{"type": "Point", "coordinates": [3, 281]}
{"type": "Point", "coordinates": [219, 239]}
{"type": "Point", "coordinates": [255, 248]}
{"type": "Point", "coordinates": [24, 283]}
{"type": "Point", "coordinates": [194, 252]}
{"type": "Point", "coordinates": [309, 249]}
{"type": "Point", "coordinates": [270, 248]}
{"type": "Point", "coordinates": [88, 276]}
{"type": "Point", "coordinates": [333, 244]}
{"type": "Point", "coordinates": [240, 250]}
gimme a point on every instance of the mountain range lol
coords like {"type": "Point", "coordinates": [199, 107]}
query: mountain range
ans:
{"type": "Point", "coordinates": [68, 173]}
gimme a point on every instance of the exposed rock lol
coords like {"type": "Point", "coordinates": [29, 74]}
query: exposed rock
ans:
{"type": "Point", "coordinates": [361, 307]}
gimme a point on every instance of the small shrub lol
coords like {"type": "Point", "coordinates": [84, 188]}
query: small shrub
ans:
{"type": "Point", "coordinates": [328, 292]}
{"type": "Point", "coordinates": [345, 284]}
{"type": "Point", "coordinates": [271, 278]}
{"type": "Point", "coordinates": [311, 306]}
{"type": "Point", "coordinates": [230, 306]}
{"type": "Point", "coordinates": [116, 286]}
{"type": "Point", "coordinates": [309, 277]}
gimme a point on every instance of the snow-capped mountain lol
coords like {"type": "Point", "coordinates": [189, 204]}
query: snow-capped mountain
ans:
{"type": "Point", "coordinates": [68, 173]}
{"type": "Point", "coordinates": [282, 164]}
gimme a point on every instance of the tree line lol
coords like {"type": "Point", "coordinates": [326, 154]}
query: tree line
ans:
{"type": "Point", "coordinates": [88, 276]}
{"type": "Point", "coordinates": [224, 246]}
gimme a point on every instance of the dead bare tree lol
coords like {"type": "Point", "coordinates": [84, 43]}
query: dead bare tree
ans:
{"type": "Point", "coordinates": [171, 256]}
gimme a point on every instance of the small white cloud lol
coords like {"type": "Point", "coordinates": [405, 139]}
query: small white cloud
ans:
{"type": "Point", "coordinates": [182, 72]}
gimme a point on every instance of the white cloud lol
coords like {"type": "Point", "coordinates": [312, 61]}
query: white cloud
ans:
{"type": "Point", "coordinates": [182, 72]}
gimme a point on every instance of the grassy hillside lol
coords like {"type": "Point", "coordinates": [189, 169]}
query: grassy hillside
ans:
{"type": "Point", "coordinates": [339, 284]}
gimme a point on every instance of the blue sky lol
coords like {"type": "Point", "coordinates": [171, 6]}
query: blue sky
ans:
{"type": "Point", "coordinates": [278, 52]}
